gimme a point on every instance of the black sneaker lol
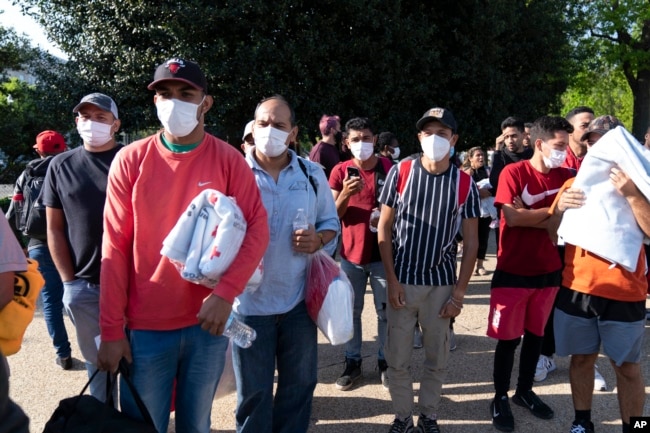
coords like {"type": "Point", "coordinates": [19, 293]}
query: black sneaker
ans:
{"type": "Point", "coordinates": [427, 425]}
{"type": "Point", "coordinates": [402, 425]}
{"type": "Point", "coordinates": [502, 418]}
{"type": "Point", "coordinates": [64, 363]}
{"type": "Point", "coordinates": [351, 374]}
{"type": "Point", "coordinates": [382, 366]}
{"type": "Point", "coordinates": [582, 426]}
{"type": "Point", "coordinates": [537, 407]}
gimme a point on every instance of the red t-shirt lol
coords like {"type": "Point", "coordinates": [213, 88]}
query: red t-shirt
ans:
{"type": "Point", "coordinates": [528, 251]}
{"type": "Point", "coordinates": [359, 244]}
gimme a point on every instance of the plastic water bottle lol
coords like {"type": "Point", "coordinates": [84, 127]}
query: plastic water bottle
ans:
{"type": "Point", "coordinates": [240, 333]}
{"type": "Point", "coordinates": [300, 222]}
{"type": "Point", "coordinates": [374, 217]}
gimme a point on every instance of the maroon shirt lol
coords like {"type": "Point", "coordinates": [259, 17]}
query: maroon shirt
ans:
{"type": "Point", "coordinates": [326, 155]}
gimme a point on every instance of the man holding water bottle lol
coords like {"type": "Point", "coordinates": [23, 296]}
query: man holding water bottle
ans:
{"type": "Point", "coordinates": [356, 185]}
{"type": "Point", "coordinates": [286, 335]}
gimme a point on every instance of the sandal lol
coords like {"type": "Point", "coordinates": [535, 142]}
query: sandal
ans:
{"type": "Point", "coordinates": [481, 271]}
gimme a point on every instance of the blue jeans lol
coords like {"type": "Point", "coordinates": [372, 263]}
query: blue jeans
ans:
{"type": "Point", "coordinates": [289, 341]}
{"type": "Point", "coordinates": [81, 301]}
{"type": "Point", "coordinates": [191, 356]}
{"type": "Point", "coordinates": [358, 276]}
{"type": "Point", "coordinates": [52, 298]}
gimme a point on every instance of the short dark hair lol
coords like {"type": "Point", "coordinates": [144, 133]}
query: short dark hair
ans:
{"type": "Point", "coordinates": [279, 98]}
{"type": "Point", "coordinates": [528, 125]}
{"type": "Point", "coordinates": [545, 127]}
{"type": "Point", "coordinates": [577, 110]}
{"type": "Point", "coordinates": [358, 123]}
{"type": "Point", "coordinates": [385, 139]}
{"type": "Point", "coordinates": [514, 122]}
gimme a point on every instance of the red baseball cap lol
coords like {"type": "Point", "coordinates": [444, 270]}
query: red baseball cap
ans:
{"type": "Point", "coordinates": [50, 142]}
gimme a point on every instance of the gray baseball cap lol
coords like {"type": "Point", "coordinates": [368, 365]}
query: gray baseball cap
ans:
{"type": "Point", "coordinates": [99, 100]}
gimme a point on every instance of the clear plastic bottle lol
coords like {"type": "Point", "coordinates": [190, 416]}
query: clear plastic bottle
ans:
{"type": "Point", "coordinates": [300, 222]}
{"type": "Point", "coordinates": [240, 333]}
{"type": "Point", "coordinates": [374, 219]}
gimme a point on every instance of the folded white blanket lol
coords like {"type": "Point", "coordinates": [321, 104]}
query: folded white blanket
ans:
{"type": "Point", "coordinates": [206, 239]}
{"type": "Point", "coordinates": [605, 225]}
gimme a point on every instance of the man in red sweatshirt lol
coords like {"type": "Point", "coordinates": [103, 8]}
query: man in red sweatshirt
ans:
{"type": "Point", "coordinates": [168, 328]}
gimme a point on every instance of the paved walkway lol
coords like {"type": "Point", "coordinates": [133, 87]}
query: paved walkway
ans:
{"type": "Point", "coordinates": [37, 384]}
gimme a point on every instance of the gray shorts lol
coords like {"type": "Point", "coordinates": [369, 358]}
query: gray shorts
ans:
{"type": "Point", "coordinates": [574, 335]}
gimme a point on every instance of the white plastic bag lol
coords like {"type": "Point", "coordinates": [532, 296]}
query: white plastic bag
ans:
{"type": "Point", "coordinates": [329, 298]}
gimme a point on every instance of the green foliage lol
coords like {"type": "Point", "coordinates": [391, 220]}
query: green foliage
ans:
{"type": "Point", "coordinates": [605, 91]}
{"type": "Point", "coordinates": [617, 34]}
{"type": "Point", "coordinates": [389, 61]}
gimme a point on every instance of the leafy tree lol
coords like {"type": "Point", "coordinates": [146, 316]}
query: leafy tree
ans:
{"type": "Point", "coordinates": [605, 90]}
{"type": "Point", "coordinates": [15, 50]}
{"type": "Point", "coordinates": [389, 61]}
{"type": "Point", "coordinates": [617, 33]}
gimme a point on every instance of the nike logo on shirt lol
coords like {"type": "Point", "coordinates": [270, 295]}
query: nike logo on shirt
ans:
{"type": "Point", "coordinates": [530, 199]}
{"type": "Point", "coordinates": [203, 183]}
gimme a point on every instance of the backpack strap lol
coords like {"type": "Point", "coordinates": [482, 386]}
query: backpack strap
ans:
{"type": "Point", "coordinates": [403, 172]}
{"type": "Point", "coordinates": [380, 177]}
{"type": "Point", "coordinates": [307, 175]}
{"type": "Point", "coordinates": [463, 187]}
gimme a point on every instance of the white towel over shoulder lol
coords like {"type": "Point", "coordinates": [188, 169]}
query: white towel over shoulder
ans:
{"type": "Point", "coordinates": [605, 225]}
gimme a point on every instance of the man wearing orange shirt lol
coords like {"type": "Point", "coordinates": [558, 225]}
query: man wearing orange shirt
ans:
{"type": "Point", "coordinates": [602, 303]}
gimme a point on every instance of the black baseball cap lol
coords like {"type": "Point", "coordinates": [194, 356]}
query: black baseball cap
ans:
{"type": "Point", "coordinates": [442, 115]}
{"type": "Point", "coordinates": [177, 69]}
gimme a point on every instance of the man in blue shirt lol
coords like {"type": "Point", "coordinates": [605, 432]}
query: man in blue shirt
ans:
{"type": "Point", "coordinates": [286, 335]}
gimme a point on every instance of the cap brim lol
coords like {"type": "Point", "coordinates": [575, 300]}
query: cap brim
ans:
{"type": "Point", "coordinates": [81, 104]}
{"type": "Point", "coordinates": [153, 84]}
{"type": "Point", "coordinates": [597, 131]}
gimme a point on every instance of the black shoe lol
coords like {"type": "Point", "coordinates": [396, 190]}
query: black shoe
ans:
{"type": "Point", "coordinates": [502, 418]}
{"type": "Point", "coordinates": [382, 365]}
{"type": "Point", "coordinates": [402, 426]}
{"type": "Point", "coordinates": [427, 425]}
{"type": "Point", "coordinates": [582, 426]}
{"type": "Point", "coordinates": [537, 407]}
{"type": "Point", "coordinates": [64, 363]}
{"type": "Point", "coordinates": [351, 374]}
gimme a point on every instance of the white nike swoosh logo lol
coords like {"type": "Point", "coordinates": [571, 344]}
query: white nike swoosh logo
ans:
{"type": "Point", "coordinates": [203, 183]}
{"type": "Point", "coordinates": [494, 412]}
{"type": "Point", "coordinates": [531, 199]}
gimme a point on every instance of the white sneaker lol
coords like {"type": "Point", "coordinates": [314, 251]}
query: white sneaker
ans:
{"type": "Point", "coordinates": [599, 381]}
{"type": "Point", "coordinates": [545, 365]}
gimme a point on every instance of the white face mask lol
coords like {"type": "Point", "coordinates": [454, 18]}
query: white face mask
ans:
{"type": "Point", "coordinates": [362, 150]}
{"type": "Point", "coordinates": [179, 118]}
{"type": "Point", "coordinates": [435, 147]}
{"type": "Point", "coordinates": [556, 158]}
{"type": "Point", "coordinates": [270, 141]}
{"type": "Point", "coordinates": [94, 134]}
{"type": "Point", "coordinates": [395, 154]}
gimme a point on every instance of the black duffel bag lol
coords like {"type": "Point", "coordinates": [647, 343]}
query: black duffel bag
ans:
{"type": "Point", "coordinates": [86, 414]}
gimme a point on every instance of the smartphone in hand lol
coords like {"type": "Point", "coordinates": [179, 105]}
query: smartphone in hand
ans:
{"type": "Point", "coordinates": [353, 171]}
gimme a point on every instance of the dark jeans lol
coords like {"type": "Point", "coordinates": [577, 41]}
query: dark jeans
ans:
{"type": "Point", "coordinates": [52, 298]}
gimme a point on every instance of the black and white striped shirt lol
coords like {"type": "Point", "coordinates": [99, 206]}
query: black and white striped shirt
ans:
{"type": "Point", "coordinates": [427, 218]}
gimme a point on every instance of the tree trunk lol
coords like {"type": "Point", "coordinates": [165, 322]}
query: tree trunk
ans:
{"type": "Point", "coordinates": [641, 115]}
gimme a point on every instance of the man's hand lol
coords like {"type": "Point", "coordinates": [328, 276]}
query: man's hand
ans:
{"type": "Point", "coordinates": [306, 241]}
{"type": "Point", "coordinates": [214, 314]}
{"type": "Point", "coordinates": [351, 186]}
{"type": "Point", "coordinates": [110, 353]}
{"type": "Point", "coordinates": [622, 182]}
{"type": "Point", "coordinates": [571, 198]}
{"type": "Point", "coordinates": [396, 295]}
{"type": "Point", "coordinates": [499, 142]}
